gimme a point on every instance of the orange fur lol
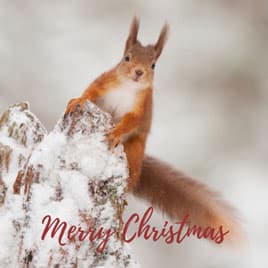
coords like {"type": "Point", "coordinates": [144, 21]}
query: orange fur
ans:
{"type": "Point", "coordinates": [134, 148]}
{"type": "Point", "coordinates": [177, 194]}
{"type": "Point", "coordinates": [98, 88]}
{"type": "Point", "coordinates": [136, 70]}
{"type": "Point", "coordinates": [164, 187]}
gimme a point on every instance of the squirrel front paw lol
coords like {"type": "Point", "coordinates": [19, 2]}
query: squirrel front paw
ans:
{"type": "Point", "coordinates": [73, 103]}
{"type": "Point", "coordinates": [113, 138]}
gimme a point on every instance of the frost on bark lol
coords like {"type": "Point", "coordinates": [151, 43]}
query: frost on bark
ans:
{"type": "Point", "coordinates": [68, 174]}
{"type": "Point", "coordinates": [20, 131]}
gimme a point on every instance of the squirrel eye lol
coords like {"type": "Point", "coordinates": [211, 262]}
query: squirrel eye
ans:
{"type": "Point", "coordinates": [153, 65]}
{"type": "Point", "coordinates": [126, 58]}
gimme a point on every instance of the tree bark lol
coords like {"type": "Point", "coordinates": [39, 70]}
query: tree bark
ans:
{"type": "Point", "coordinates": [69, 174]}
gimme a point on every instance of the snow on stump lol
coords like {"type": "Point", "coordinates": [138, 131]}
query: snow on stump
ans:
{"type": "Point", "coordinates": [69, 176]}
{"type": "Point", "coordinates": [20, 131]}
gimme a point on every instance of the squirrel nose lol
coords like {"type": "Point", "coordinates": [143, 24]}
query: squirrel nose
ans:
{"type": "Point", "coordinates": [139, 72]}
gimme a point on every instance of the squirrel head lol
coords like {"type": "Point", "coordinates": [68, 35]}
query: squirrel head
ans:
{"type": "Point", "coordinates": [139, 61]}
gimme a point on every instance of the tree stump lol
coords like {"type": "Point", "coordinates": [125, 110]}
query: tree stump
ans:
{"type": "Point", "coordinates": [69, 174]}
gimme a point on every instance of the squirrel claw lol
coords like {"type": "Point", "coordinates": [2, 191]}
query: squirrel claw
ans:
{"type": "Point", "coordinates": [113, 140]}
{"type": "Point", "coordinates": [72, 105]}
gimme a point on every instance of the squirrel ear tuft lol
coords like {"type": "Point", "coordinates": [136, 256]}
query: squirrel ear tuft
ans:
{"type": "Point", "coordinates": [133, 33]}
{"type": "Point", "coordinates": [161, 40]}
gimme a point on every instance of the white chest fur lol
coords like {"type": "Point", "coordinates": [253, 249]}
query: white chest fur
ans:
{"type": "Point", "coordinates": [119, 100]}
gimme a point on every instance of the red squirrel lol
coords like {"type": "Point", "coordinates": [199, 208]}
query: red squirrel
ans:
{"type": "Point", "coordinates": [125, 92]}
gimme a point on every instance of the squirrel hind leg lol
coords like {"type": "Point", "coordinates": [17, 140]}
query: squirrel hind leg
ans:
{"type": "Point", "coordinates": [134, 149]}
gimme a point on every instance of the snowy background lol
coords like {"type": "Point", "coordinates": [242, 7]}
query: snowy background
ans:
{"type": "Point", "coordinates": [211, 96]}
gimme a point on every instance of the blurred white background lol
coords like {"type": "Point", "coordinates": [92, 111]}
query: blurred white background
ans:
{"type": "Point", "coordinates": [211, 96]}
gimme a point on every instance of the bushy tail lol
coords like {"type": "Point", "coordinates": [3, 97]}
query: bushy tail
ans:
{"type": "Point", "coordinates": [176, 195]}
